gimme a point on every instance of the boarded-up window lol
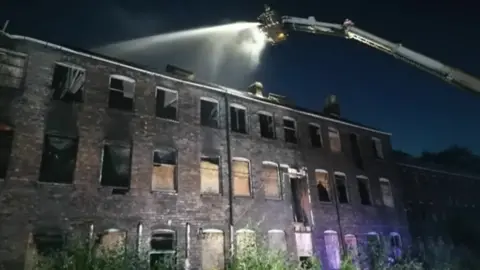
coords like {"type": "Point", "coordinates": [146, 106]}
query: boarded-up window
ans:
{"type": "Point", "coordinates": [303, 242]}
{"type": "Point", "coordinates": [112, 239]}
{"type": "Point", "coordinates": [377, 148]}
{"type": "Point", "coordinates": [245, 240]}
{"type": "Point", "coordinates": [122, 92]}
{"type": "Point", "coordinates": [323, 187]}
{"type": "Point", "coordinates": [58, 159]}
{"type": "Point", "coordinates": [332, 248]}
{"type": "Point", "coordinates": [67, 83]}
{"type": "Point", "coordinates": [164, 169]}
{"type": "Point", "coordinates": [335, 142]}
{"type": "Point", "coordinates": [210, 175]}
{"type": "Point", "coordinates": [213, 257]}
{"type": "Point", "coordinates": [241, 177]}
{"type": "Point", "coordinates": [277, 241]}
{"type": "Point", "coordinates": [162, 250]}
{"type": "Point", "coordinates": [116, 166]}
{"type": "Point", "coordinates": [364, 190]}
{"type": "Point", "coordinates": [6, 141]}
{"type": "Point", "coordinates": [386, 190]}
{"type": "Point", "coordinates": [12, 66]}
{"type": "Point", "coordinates": [341, 184]}
{"type": "Point", "coordinates": [270, 179]}
{"type": "Point", "coordinates": [352, 247]}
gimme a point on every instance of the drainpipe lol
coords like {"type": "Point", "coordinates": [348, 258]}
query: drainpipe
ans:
{"type": "Point", "coordinates": [337, 209]}
{"type": "Point", "coordinates": [229, 170]}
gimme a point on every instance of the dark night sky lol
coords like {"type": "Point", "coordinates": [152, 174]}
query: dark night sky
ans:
{"type": "Point", "coordinates": [422, 112]}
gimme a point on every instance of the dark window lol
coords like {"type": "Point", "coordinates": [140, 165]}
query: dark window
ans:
{"type": "Point", "coordinates": [323, 186]}
{"type": "Point", "coordinates": [315, 135]}
{"type": "Point", "coordinates": [162, 251]}
{"type": "Point", "coordinates": [267, 126]}
{"type": "Point", "coordinates": [300, 200]}
{"type": "Point", "coordinates": [167, 102]}
{"type": "Point", "coordinates": [290, 130]}
{"type": "Point", "coordinates": [48, 244]}
{"type": "Point", "coordinates": [355, 148]}
{"type": "Point", "coordinates": [58, 159]}
{"type": "Point", "coordinates": [306, 263]}
{"type": "Point", "coordinates": [238, 119]}
{"type": "Point", "coordinates": [377, 148]}
{"type": "Point", "coordinates": [12, 69]}
{"type": "Point", "coordinates": [341, 184]}
{"type": "Point", "coordinates": [116, 166]}
{"type": "Point", "coordinates": [121, 94]}
{"type": "Point", "coordinates": [209, 113]}
{"type": "Point", "coordinates": [67, 83]}
{"type": "Point", "coordinates": [363, 189]}
{"type": "Point", "coordinates": [6, 140]}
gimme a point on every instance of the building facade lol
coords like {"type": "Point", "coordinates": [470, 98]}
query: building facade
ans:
{"type": "Point", "coordinates": [166, 164]}
{"type": "Point", "coordinates": [441, 205]}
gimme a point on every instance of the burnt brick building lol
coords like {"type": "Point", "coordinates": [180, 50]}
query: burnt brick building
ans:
{"type": "Point", "coordinates": [159, 162]}
{"type": "Point", "coordinates": [441, 205]}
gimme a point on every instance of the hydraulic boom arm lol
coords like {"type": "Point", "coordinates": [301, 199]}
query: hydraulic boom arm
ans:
{"type": "Point", "coordinates": [276, 28]}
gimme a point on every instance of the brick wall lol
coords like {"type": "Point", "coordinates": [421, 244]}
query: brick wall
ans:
{"type": "Point", "coordinates": [27, 204]}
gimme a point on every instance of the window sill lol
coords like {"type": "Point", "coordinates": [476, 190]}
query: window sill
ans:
{"type": "Point", "coordinates": [164, 191]}
{"type": "Point", "coordinates": [212, 127]}
{"type": "Point", "coordinates": [326, 202]}
{"type": "Point", "coordinates": [52, 183]}
{"type": "Point", "coordinates": [273, 198]}
{"type": "Point", "coordinates": [243, 196]}
{"type": "Point", "coordinates": [167, 119]}
{"type": "Point", "coordinates": [211, 195]}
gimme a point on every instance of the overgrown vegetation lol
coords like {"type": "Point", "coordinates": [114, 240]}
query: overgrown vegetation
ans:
{"type": "Point", "coordinates": [80, 255]}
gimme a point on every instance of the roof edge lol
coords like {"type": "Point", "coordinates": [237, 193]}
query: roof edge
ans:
{"type": "Point", "coordinates": [221, 89]}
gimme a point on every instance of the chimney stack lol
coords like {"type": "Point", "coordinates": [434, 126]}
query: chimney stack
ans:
{"type": "Point", "coordinates": [256, 89]}
{"type": "Point", "coordinates": [332, 108]}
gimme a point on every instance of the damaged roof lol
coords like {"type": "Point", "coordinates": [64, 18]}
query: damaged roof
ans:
{"type": "Point", "coordinates": [198, 83]}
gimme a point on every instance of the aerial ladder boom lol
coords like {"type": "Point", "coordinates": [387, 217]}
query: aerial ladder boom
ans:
{"type": "Point", "coordinates": [276, 28]}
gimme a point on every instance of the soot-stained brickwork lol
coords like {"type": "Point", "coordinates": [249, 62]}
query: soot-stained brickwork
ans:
{"type": "Point", "coordinates": [28, 205]}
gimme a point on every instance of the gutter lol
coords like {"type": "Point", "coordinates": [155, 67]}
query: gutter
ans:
{"type": "Point", "coordinates": [229, 171]}
{"type": "Point", "coordinates": [220, 89]}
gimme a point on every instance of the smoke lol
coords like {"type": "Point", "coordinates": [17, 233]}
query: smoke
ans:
{"type": "Point", "coordinates": [227, 54]}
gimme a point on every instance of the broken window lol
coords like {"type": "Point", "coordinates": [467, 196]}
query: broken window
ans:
{"type": "Point", "coordinates": [213, 250]}
{"type": "Point", "coordinates": [277, 240]}
{"type": "Point", "coordinates": [116, 166]}
{"type": "Point", "coordinates": [300, 200]}
{"type": "Point", "coordinates": [332, 248]}
{"type": "Point", "coordinates": [167, 102]}
{"type": "Point", "coordinates": [323, 186]}
{"type": "Point", "coordinates": [245, 239]}
{"type": "Point", "coordinates": [110, 240]}
{"type": "Point", "coordinates": [238, 119]}
{"type": "Point", "coordinates": [6, 141]}
{"type": "Point", "coordinates": [209, 113]}
{"type": "Point", "coordinates": [122, 91]}
{"type": "Point", "coordinates": [67, 83]}
{"type": "Point", "coordinates": [290, 130]}
{"type": "Point", "coordinates": [162, 250]}
{"type": "Point", "coordinates": [270, 177]}
{"type": "Point", "coordinates": [386, 190]}
{"type": "Point", "coordinates": [210, 175]}
{"type": "Point", "coordinates": [364, 190]}
{"type": "Point", "coordinates": [164, 169]}
{"type": "Point", "coordinates": [315, 135]}
{"type": "Point", "coordinates": [377, 148]}
{"type": "Point", "coordinates": [267, 126]}
{"type": "Point", "coordinates": [12, 68]}
{"type": "Point", "coordinates": [355, 148]}
{"type": "Point", "coordinates": [241, 177]}
{"type": "Point", "coordinates": [396, 244]}
{"type": "Point", "coordinates": [341, 184]}
{"type": "Point", "coordinates": [335, 142]}
{"type": "Point", "coordinates": [58, 159]}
